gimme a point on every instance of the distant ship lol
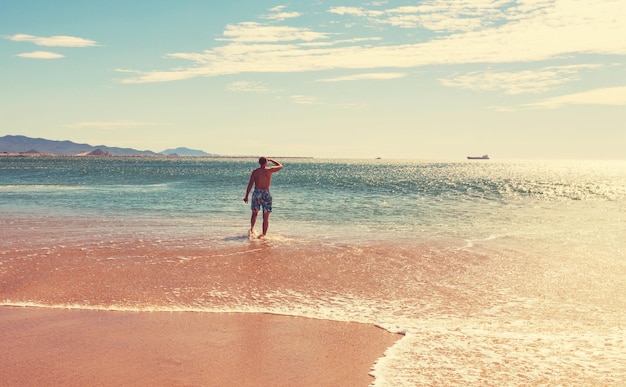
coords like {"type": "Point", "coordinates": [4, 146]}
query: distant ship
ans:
{"type": "Point", "coordinates": [483, 157]}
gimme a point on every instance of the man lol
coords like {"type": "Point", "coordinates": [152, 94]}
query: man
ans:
{"type": "Point", "coordinates": [261, 178]}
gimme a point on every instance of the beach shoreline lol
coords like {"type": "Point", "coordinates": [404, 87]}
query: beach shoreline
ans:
{"type": "Point", "coordinates": [48, 346]}
{"type": "Point", "coordinates": [136, 272]}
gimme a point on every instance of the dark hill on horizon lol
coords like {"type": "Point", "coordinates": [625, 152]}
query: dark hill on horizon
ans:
{"type": "Point", "coordinates": [23, 144]}
{"type": "Point", "coordinates": [182, 151]}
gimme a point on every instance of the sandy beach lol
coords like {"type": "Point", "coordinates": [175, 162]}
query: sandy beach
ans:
{"type": "Point", "coordinates": [44, 346]}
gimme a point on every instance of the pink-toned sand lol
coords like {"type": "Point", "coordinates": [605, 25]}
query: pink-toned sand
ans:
{"type": "Point", "coordinates": [43, 347]}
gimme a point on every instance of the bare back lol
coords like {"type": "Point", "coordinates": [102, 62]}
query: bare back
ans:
{"type": "Point", "coordinates": [262, 178]}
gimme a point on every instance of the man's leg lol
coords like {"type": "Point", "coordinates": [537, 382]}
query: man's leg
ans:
{"type": "Point", "coordinates": [253, 219]}
{"type": "Point", "coordinates": [266, 221]}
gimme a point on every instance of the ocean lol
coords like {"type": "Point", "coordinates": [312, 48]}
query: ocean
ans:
{"type": "Point", "coordinates": [496, 272]}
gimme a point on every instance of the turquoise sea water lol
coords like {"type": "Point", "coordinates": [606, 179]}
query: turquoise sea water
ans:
{"type": "Point", "coordinates": [498, 273]}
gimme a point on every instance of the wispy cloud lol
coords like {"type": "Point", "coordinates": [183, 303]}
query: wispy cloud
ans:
{"type": "Point", "coordinates": [466, 32]}
{"type": "Point", "coordinates": [41, 55]}
{"type": "Point", "coordinates": [54, 41]}
{"type": "Point", "coordinates": [615, 96]}
{"type": "Point", "coordinates": [519, 82]}
{"type": "Point", "coordinates": [253, 32]}
{"type": "Point", "coordinates": [305, 100]}
{"type": "Point", "coordinates": [278, 8]}
{"type": "Point", "coordinates": [278, 14]}
{"type": "Point", "coordinates": [157, 76]}
{"type": "Point", "coordinates": [436, 15]}
{"type": "Point", "coordinates": [366, 77]}
{"type": "Point", "coordinates": [249, 87]}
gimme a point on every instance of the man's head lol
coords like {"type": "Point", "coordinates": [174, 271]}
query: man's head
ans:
{"type": "Point", "coordinates": [262, 161]}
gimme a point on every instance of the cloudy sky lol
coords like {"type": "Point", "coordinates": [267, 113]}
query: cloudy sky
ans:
{"type": "Point", "coordinates": [432, 79]}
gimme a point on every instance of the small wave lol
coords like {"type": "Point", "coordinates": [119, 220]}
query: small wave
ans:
{"type": "Point", "coordinates": [41, 187]}
{"type": "Point", "coordinates": [469, 243]}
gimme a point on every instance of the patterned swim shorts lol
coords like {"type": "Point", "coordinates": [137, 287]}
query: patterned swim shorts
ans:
{"type": "Point", "coordinates": [261, 198]}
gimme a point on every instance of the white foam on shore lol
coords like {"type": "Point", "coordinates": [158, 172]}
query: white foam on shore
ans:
{"type": "Point", "coordinates": [470, 353]}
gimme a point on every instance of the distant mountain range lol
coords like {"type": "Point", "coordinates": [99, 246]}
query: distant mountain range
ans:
{"type": "Point", "coordinates": [182, 151]}
{"type": "Point", "coordinates": [23, 144]}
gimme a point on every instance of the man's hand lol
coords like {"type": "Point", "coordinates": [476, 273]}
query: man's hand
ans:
{"type": "Point", "coordinates": [245, 200]}
{"type": "Point", "coordinates": [277, 166]}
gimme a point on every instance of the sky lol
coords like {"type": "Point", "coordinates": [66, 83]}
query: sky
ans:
{"type": "Point", "coordinates": [433, 79]}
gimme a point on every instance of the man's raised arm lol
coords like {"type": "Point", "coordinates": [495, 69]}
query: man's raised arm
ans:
{"type": "Point", "coordinates": [276, 167]}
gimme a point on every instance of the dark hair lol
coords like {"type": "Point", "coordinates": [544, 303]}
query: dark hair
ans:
{"type": "Point", "coordinates": [262, 160]}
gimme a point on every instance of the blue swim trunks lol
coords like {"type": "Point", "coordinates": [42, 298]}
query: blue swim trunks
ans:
{"type": "Point", "coordinates": [261, 198]}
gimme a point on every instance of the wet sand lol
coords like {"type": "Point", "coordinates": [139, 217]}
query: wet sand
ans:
{"type": "Point", "coordinates": [42, 346]}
